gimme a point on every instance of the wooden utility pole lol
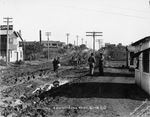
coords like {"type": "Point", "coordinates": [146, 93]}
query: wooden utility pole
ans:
{"type": "Point", "coordinates": [48, 34]}
{"type": "Point", "coordinates": [67, 34]}
{"type": "Point", "coordinates": [94, 34]}
{"type": "Point", "coordinates": [100, 41]}
{"type": "Point", "coordinates": [40, 36]}
{"type": "Point", "coordinates": [7, 48]}
{"type": "Point", "coordinates": [77, 39]}
{"type": "Point", "coordinates": [74, 43]}
{"type": "Point", "coordinates": [86, 43]}
{"type": "Point", "coordinates": [24, 44]}
{"type": "Point", "coordinates": [82, 40]}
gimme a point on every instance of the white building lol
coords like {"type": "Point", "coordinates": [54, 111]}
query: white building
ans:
{"type": "Point", "coordinates": [15, 53]}
{"type": "Point", "coordinates": [142, 69]}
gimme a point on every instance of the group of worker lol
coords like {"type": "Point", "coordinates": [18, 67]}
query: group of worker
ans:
{"type": "Point", "coordinates": [56, 64]}
{"type": "Point", "coordinates": [92, 61]}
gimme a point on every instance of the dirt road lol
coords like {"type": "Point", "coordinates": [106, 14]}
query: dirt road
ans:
{"type": "Point", "coordinates": [112, 95]}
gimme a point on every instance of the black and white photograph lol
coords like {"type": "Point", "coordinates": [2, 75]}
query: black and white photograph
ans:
{"type": "Point", "coordinates": [74, 58]}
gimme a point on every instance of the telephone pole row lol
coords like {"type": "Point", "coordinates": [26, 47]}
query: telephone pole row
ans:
{"type": "Point", "coordinates": [48, 34]}
{"type": "Point", "coordinates": [67, 34]}
{"type": "Point", "coordinates": [100, 41]}
{"type": "Point", "coordinates": [94, 34]}
{"type": "Point", "coordinates": [77, 39]}
{"type": "Point", "coordinates": [82, 40]}
{"type": "Point", "coordinates": [7, 49]}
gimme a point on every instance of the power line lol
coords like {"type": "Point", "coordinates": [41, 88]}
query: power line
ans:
{"type": "Point", "coordinates": [123, 8]}
{"type": "Point", "coordinates": [107, 12]}
{"type": "Point", "coordinates": [129, 9]}
{"type": "Point", "coordinates": [48, 34]}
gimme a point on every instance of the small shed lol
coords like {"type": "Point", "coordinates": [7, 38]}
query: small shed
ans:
{"type": "Point", "coordinates": [142, 63]}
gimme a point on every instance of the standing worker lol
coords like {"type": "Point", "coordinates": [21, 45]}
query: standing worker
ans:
{"type": "Point", "coordinates": [58, 63]}
{"type": "Point", "coordinates": [79, 60]}
{"type": "Point", "coordinates": [101, 58]}
{"type": "Point", "coordinates": [55, 64]}
{"type": "Point", "coordinates": [91, 61]}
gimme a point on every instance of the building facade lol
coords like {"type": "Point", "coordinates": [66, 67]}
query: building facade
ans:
{"type": "Point", "coordinates": [142, 63]}
{"type": "Point", "coordinates": [15, 53]}
{"type": "Point", "coordinates": [53, 44]}
{"type": "Point", "coordinates": [110, 45]}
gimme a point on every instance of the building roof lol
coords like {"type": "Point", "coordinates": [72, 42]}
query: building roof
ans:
{"type": "Point", "coordinates": [50, 41]}
{"type": "Point", "coordinates": [20, 36]}
{"type": "Point", "coordinates": [130, 48]}
{"type": "Point", "coordinates": [138, 53]}
{"type": "Point", "coordinates": [141, 41]}
{"type": "Point", "coordinates": [17, 35]}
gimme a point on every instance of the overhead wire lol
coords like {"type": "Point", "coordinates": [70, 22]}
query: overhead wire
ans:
{"type": "Point", "coordinates": [106, 12]}
{"type": "Point", "coordinates": [135, 10]}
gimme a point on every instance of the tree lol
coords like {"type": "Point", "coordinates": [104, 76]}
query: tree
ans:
{"type": "Point", "coordinates": [83, 46]}
{"type": "Point", "coordinates": [70, 45]}
{"type": "Point", "coordinates": [65, 47]}
{"type": "Point", "coordinates": [32, 49]}
{"type": "Point", "coordinates": [119, 44]}
{"type": "Point", "coordinates": [61, 51]}
{"type": "Point", "coordinates": [76, 47]}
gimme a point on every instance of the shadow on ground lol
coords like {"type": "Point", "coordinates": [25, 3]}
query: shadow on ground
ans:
{"type": "Point", "coordinates": [98, 90]}
{"type": "Point", "coordinates": [109, 74]}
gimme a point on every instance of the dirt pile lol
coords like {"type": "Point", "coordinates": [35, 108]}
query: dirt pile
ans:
{"type": "Point", "coordinates": [29, 103]}
{"type": "Point", "coordinates": [23, 86]}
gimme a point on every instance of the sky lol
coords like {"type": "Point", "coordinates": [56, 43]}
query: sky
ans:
{"type": "Point", "coordinates": [120, 21]}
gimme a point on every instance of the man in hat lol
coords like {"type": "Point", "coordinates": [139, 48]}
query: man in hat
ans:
{"type": "Point", "coordinates": [101, 58]}
{"type": "Point", "coordinates": [91, 61]}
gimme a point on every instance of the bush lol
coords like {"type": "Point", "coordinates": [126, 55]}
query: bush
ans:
{"type": "Point", "coordinates": [61, 51]}
{"type": "Point", "coordinates": [20, 62]}
{"type": "Point", "coordinates": [2, 62]}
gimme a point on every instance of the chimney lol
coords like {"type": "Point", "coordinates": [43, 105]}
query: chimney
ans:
{"type": "Point", "coordinates": [40, 34]}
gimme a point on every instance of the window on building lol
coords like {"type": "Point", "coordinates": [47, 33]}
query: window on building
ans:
{"type": "Point", "coordinates": [3, 53]}
{"type": "Point", "coordinates": [21, 55]}
{"type": "Point", "coordinates": [10, 53]}
{"type": "Point", "coordinates": [11, 40]}
{"type": "Point", "coordinates": [3, 39]}
{"type": "Point", "coordinates": [146, 61]}
{"type": "Point", "coordinates": [54, 44]}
